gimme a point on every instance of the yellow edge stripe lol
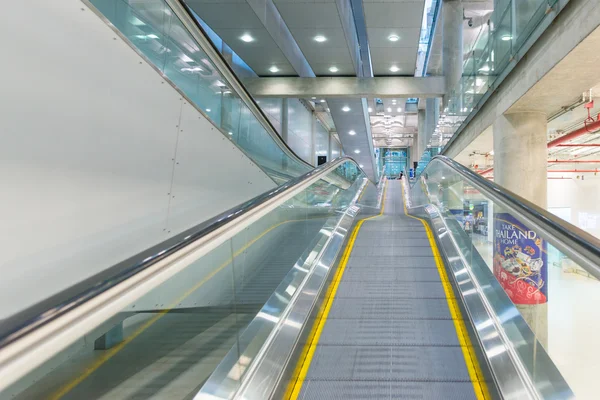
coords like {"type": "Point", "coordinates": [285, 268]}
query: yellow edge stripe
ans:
{"type": "Point", "coordinates": [475, 373]}
{"type": "Point", "coordinates": [113, 351]}
{"type": "Point", "coordinates": [293, 389]}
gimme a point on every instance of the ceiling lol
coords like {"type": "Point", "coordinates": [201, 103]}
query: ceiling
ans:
{"type": "Point", "coordinates": [320, 29]}
{"type": "Point", "coordinates": [309, 19]}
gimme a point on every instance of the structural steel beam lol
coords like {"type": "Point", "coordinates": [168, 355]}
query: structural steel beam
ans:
{"type": "Point", "coordinates": [346, 87]}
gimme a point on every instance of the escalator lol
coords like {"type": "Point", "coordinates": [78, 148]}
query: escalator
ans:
{"type": "Point", "coordinates": [391, 325]}
{"type": "Point", "coordinates": [326, 287]}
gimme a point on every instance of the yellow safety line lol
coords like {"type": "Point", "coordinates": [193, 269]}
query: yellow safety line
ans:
{"type": "Point", "coordinates": [114, 350]}
{"type": "Point", "coordinates": [293, 389]}
{"type": "Point", "coordinates": [477, 379]}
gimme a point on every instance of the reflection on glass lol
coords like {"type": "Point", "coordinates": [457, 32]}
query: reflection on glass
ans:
{"type": "Point", "coordinates": [555, 296]}
{"type": "Point", "coordinates": [496, 44]}
{"type": "Point", "coordinates": [156, 32]}
{"type": "Point", "coordinates": [169, 341]}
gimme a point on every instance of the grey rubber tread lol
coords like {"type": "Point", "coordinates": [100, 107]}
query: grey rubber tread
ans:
{"type": "Point", "coordinates": [382, 363]}
{"type": "Point", "coordinates": [371, 332]}
{"type": "Point", "coordinates": [391, 262]}
{"type": "Point", "coordinates": [389, 274]}
{"type": "Point", "coordinates": [392, 290]}
{"type": "Point", "coordinates": [389, 333]}
{"type": "Point", "coordinates": [346, 390]}
{"type": "Point", "coordinates": [383, 308]}
{"type": "Point", "coordinates": [392, 251]}
{"type": "Point", "coordinates": [386, 242]}
{"type": "Point", "coordinates": [416, 234]}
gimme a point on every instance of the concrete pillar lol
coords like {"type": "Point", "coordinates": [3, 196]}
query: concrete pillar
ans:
{"type": "Point", "coordinates": [520, 155]}
{"type": "Point", "coordinates": [284, 119]}
{"type": "Point", "coordinates": [421, 136]}
{"type": "Point", "coordinates": [313, 139]}
{"type": "Point", "coordinates": [330, 156]}
{"type": "Point", "coordinates": [520, 165]}
{"type": "Point", "coordinates": [452, 56]}
{"type": "Point", "coordinates": [284, 129]}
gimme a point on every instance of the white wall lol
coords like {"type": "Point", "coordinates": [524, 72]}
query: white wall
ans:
{"type": "Point", "coordinates": [100, 158]}
{"type": "Point", "coordinates": [581, 196]}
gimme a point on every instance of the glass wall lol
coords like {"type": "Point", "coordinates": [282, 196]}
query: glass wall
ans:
{"type": "Point", "coordinates": [556, 296]}
{"type": "Point", "coordinates": [156, 32]}
{"type": "Point", "coordinates": [219, 308]}
{"type": "Point", "coordinates": [497, 43]}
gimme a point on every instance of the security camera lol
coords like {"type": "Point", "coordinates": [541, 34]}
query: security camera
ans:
{"type": "Point", "coordinates": [470, 22]}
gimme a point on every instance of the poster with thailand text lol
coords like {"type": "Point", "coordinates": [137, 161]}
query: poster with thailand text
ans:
{"type": "Point", "coordinates": [520, 261]}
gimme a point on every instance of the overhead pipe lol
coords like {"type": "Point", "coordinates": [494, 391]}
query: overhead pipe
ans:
{"type": "Point", "coordinates": [590, 128]}
{"type": "Point", "coordinates": [573, 161]}
{"type": "Point", "coordinates": [573, 170]}
{"type": "Point", "coordinates": [579, 145]}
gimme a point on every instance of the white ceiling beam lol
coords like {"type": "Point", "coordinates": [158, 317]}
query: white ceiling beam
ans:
{"type": "Point", "coordinates": [346, 87]}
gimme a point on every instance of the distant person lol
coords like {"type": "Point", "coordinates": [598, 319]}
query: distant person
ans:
{"type": "Point", "coordinates": [401, 175]}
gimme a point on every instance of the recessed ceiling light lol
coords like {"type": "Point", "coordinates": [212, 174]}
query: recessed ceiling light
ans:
{"type": "Point", "coordinates": [393, 68]}
{"type": "Point", "coordinates": [208, 110]}
{"type": "Point", "coordinates": [247, 38]}
{"type": "Point", "coordinates": [314, 98]}
{"type": "Point", "coordinates": [370, 109]}
{"type": "Point", "coordinates": [274, 69]}
{"type": "Point", "coordinates": [393, 38]}
{"type": "Point", "coordinates": [399, 109]}
{"type": "Point", "coordinates": [333, 69]}
{"type": "Point", "coordinates": [357, 151]}
{"type": "Point", "coordinates": [345, 109]}
{"type": "Point", "coordinates": [389, 109]}
{"type": "Point", "coordinates": [152, 36]}
{"type": "Point", "coordinates": [360, 165]}
{"type": "Point", "coordinates": [351, 133]}
{"type": "Point", "coordinates": [393, 101]}
{"type": "Point", "coordinates": [322, 100]}
{"type": "Point", "coordinates": [231, 133]}
{"type": "Point", "coordinates": [320, 38]}
{"type": "Point", "coordinates": [506, 38]}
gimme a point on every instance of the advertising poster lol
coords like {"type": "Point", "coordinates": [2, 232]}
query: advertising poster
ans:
{"type": "Point", "coordinates": [520, 261]}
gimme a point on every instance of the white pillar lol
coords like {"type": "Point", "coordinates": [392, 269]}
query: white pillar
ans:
{"type": "Point", "coordinates": [452, 56]}
{"type": "Point", "coordinates": [520, 165]}
{"type": "Point", "coordinates": [422, 135]}
{"type": "Point", "coordinates": [284, 119]}
{"type": "Point", "coordinates": [313, 139]}
{"type": "Point", "coordinates": [521, 154]}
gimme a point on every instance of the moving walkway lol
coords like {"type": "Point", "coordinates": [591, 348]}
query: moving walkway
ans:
{"type": "Point", "coordinates": [327, 287]}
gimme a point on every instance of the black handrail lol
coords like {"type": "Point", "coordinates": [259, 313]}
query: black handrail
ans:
{"type": "Point", "coordinates": [24, 322]}
{"type": "Point", "coordinates": [573, 241]}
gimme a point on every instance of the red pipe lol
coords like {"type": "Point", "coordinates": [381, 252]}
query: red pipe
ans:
{"type": "Point", "coordinates": [485, 171]}
{"type": "Point", "coordinates": [594, 126]}
{"type": "Point", "coordinates": [573, 170]}
{"type": "Point", "coordinates": [579, 145]}
{"type": "Point", "coordinates": [573, 161]}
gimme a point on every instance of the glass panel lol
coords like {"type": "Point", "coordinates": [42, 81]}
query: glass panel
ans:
{"type": "Point", "coordinates": [156, 32]}
{"type": "Point", "coordinates": [554, 295]}
{"type": "Point", "coordinates": [498, 41]}
{"type": "Point", "coordinates": [169, 341]}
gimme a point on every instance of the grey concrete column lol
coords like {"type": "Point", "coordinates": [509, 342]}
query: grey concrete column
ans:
{"type": "Point", "coordinates": [520, 155]}
{"type": "Point", "coordinates": [313, 139]}
{"type": "Point", "coordinates": [452, 56]}
{"type": "Point", "coordinates": [421, 136]}
{"type": "Point", "coordinates": [520, 165]}
{"type": "Point", "coordinates": [284, 119]}
{"type": "Point", "coordinates": [330, 147]}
